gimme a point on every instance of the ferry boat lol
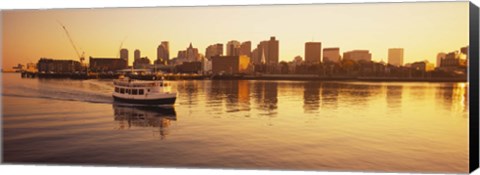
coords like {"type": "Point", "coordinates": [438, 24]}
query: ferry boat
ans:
{"type": "Point", "coordinates": [154, 92]}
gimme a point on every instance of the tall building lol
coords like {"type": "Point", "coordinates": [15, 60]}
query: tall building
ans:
{"type": "Point", "coordinates": [214, 50]}
{"type": "Point", "coordinates": [246, 48]}
{"type": "Point", "coordinates": [233, 48]}
{"type": "Point", "coordinates": [313, 52]}
{"type": "Point", "coordinates": [188, 55]}
{"type": "Point", "coordinates": [331, 55]}
{"type": "Point", "coordinates": [124, 54]}
{"type": "Point", "coordinates": [395, 56]}
{"type": "Point", "coordinates": [273, 51]}
{"type": "Point", "coordinates": [267, 52]}
{"type": "Point", "coordinates": [136, 54]}
{"type": "Point", "coordinates": [163, 54]}
{"type": "Point", "coordinates": [255, 56]}
{"type": "Point", "coordinates": [358, 55]}
{"type": "Point", "coordinates": [167, 50]}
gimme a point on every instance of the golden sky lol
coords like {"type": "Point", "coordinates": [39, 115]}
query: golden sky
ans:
{"type": "Point", "coordinates": [422, 29]}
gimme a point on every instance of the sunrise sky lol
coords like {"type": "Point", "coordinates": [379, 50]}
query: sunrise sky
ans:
{"type": "Point", "coordinates": [422, 29]}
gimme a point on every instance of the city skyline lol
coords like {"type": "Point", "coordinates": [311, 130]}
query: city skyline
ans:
{"type": "Point", "coordinates": [101, 36]}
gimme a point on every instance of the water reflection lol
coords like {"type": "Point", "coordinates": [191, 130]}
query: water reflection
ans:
{"type": "Point", "coordinates": [311, 96]}
{"type": "Point", "coordinates": [454, 96]}
{"type": "Point", "coordinates": [394, 97]}
{"type": "Point", "coordinates": [329, 95]}
{"type": "Point", "coordinates": [266, 96]}
{"type": "Point", "coordinates": [144, 116]}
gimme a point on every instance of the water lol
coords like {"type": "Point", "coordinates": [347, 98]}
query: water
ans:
{"type": "Point", "coordinates": [295, 125]}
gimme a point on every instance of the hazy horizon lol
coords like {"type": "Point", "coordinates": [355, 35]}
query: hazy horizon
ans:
{"type": "Point", "coordinates": [423, 29]}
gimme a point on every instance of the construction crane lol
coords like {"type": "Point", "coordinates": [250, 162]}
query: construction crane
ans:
{"type": "Point", "coordinates": [80, 56]}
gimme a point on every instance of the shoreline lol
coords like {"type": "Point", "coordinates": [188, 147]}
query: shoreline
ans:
{"type": "Point", "coordinates": [279, 77]}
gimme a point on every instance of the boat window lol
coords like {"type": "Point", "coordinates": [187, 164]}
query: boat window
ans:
{"type": "Point", "coordinates": [161, 84]}
{"type": "Point", "coordinates": [122, 90]}
{"type": "Point", "coordinates": [134, 91]}
{"type": "Point", "coordinates": [128, 91]}
{"type": "Point", "coordinates": [116, 89]}
{"type": "Point", "coordinates": [140, 92]}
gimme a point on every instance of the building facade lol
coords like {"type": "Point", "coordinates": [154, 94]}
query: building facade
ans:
{"type": "Point", "coordinates": [358, 55]}
{"type": "Point", "coordinates": [313, 52]}
{"type": "Point", "coordinates": [331, 55]}
{"type": "Point", "coordinates": [230, 64]}
{"type": "Point", "coordinates": [48, 65]}
{"type": "Point", "coordinates": [395, 56]}
{"type": "Point", "coordinates": [107, 64]}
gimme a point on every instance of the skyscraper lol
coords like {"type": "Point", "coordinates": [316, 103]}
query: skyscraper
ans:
{"type": "Point", "coordinates": [136, 54]}
{"type": "Point", "coordinates": [162, 53]}
{"type": "Point", "coordinates": [331, 55]}
{"type": "Point", "coordinates": [233, 48]}
{"type": "Point", "coordinates": [313, 52]}
{"type": "Point", "coordinates": [214, 50]}
{"type": "Point", "coordinates": [124, 54]}
{"type": "Point", "coordinates": [246, 48]}
{"type": "Point", "coordinates": [266, 52]}
{"type": "Point", "coordinates": [395, 56]}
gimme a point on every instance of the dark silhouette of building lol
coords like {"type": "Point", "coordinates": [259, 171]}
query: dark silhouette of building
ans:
{"type": "Point", "coordinates": [48, 65]}
{"type": "Point", "coordinates": [163, 54]}
{"type": "Point", "coordinates": [214, 50]}
{"type": "Point", "coordinates": [136, 54]}
{"type": "Point", "coordinates": [358, 55]}
{"type": "Point", "coordinates": [230, 64]}
{"type": "Point", "coordinates": [124, 55]}
{"type": "Point", "coordinates": [107, 64]}
{"type": "Point", "coordinates": [313, 52]}
{"type": "Point", "coordinates": [141, 63]}
{"type": "Point", "coordinates": [189, 67]}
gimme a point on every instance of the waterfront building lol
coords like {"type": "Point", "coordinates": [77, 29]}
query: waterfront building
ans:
{"type": "Point", "coordinates": [189, 67]}
{"type": "Point", "coordinates": [331, 55]}
{"type": "Point", "coordinates": [358, 55]}
{"type": "Point", "coordinates": [48, 65]}
{"type": "Point", "coordinates": [313, 52]}
{"type": "Point", "coordinates": [440, 57]}
{"type": "Point", "coordinates": [230, 64]}
{"type": "Point", "coordinates": [423, 66]}
{"type": "Point", "coordinates": [395, 56]}
{"type": "Point", "coordinates": [107, 64]}
{"type": "Point", "coordinates": [454, 61]}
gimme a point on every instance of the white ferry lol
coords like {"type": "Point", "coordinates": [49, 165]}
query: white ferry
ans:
{"type": "Point", "coordinates": [155, 92]}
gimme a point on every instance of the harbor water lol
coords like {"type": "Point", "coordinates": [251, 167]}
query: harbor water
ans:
{"type": "Point", "coordinates": [246, 124]}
